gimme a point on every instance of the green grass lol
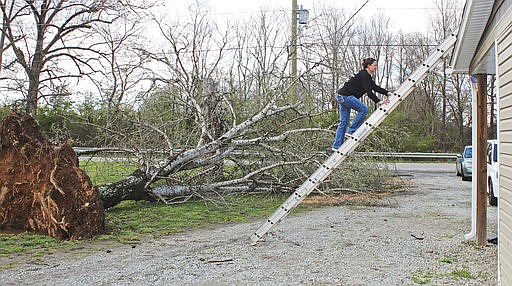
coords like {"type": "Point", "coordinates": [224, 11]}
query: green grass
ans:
{"type": "Point", "coordinates": [106, 172]}
{"type": "Point", "coordinates": [462, 273]}
{"type": "Point", "coordinates": [423, 279]}
{"type": "Point", "coordinates": [456, 275]}
{"type": "Point", "coordinates": [447, 260]}
{"type": "Point", "coordinates": [23, 242]}
{"type": "Point", "coordinates": [130, 220]}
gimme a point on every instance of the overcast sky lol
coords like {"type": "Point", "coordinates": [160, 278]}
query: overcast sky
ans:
{"type": "Point", "coordinates": [407, 15]}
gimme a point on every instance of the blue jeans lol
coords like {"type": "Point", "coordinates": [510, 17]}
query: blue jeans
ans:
{"type": "Point", "coordinates": [347, 103]}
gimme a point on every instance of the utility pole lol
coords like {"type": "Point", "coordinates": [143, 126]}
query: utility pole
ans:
{"type": "Point", "coordinates": [293, 52]}
{"type": "Point", "coordinates": [480, 166]}
{"type": "Point", "coordinates": [299, 16]}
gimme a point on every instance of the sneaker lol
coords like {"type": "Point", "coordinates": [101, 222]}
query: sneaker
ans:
{"type": "Point", "coordinates": [329, 151]}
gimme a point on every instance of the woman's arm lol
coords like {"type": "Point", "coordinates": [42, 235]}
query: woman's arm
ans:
{"type": "Point", "coordinates": [369, 85]}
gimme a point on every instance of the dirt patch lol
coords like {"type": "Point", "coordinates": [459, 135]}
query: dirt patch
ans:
{"type": "Point", "coordinates": [42, 189]}
{"type": "Point", "coordinates": [392, 187]}
{"type": "Point", "coordinates": [347, 198]}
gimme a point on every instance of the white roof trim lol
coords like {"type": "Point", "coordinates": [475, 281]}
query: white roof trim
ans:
{"type": "Point", "coordinates": [474, 21]}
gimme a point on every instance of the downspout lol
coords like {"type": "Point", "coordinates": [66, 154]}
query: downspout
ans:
{"type": "Point", "coordinates": [474, 89]}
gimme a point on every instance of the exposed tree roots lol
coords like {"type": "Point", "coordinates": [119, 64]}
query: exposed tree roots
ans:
{"type": "Point", "coordinates": [42, 189]}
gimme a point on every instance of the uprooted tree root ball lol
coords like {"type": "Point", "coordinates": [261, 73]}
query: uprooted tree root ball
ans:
{"type": "Point", "coordinates": [42, 189]}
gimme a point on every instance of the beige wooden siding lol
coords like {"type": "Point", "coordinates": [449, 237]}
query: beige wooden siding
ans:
{"type": "Point", "coordinates": [507, 102]}
{"type": "Point", "coordinates": [505, 153]}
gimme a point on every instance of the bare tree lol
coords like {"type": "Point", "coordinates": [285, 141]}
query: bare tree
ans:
{"type": "Point", "coordinates": [219, 105]}
{"type": "Point", "coordinates": [492, 99]}
{"type": "Point", "coordinates": [459, 107]}
{"type": "Point", "coordinates": [444, 21]}
{"type": "Point", "coordinates": [327, 40]}
{"type": "Point", "coordinates": [52, 41]}
{"type": "Point", "coordinates": [124, 68]}
{"type": "Point", "coordinates": [6, 16]}
{"type": "Point", "coordinates": [376, 40]}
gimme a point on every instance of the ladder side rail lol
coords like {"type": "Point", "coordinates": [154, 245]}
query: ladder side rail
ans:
{"type": "Point", "coordinates": [319, 175]}
{"type": "Point", "coordinates": [351, 144]}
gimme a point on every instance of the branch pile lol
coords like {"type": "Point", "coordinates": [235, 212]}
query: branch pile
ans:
{"type": "Point", "coordinates": [42, 189]}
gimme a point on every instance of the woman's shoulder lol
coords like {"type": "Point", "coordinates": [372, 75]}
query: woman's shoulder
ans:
{"type": "Point", "coordinates": [363, 73]}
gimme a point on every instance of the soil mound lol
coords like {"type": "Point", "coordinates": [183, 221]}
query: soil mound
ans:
{"type": "Point", "coordinates": [42, 189]}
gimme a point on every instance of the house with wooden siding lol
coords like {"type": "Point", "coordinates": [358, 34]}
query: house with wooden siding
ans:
{"type": "Point", "coordinates": [484, 47]}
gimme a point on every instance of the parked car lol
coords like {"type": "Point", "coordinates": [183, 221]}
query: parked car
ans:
{"type": "Point", "coordinates": [464, 163]}
{"type": "Point", "coordinates": [493, 185]}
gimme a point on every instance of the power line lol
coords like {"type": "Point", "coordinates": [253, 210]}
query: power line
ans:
{"type": "Point", "coordinates": [316, 9]}
{"type": "Point", "coordinates": [301, 45]}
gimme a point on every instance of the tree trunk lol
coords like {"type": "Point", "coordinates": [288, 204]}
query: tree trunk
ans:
{"type": "Point", "coordinates": [215, 124]}
{"type": "Point", "coordinates": [31, 106]}
{"type": "Point", "coordinates": [492, 97]}
{"type": "Point", "coordinates": [130, 188]}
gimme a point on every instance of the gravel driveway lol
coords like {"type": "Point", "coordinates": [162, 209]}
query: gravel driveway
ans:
{"type": "Point", "coordinates": [415, 236]}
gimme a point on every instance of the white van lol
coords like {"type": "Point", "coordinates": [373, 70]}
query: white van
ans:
{"type": "Point", "coordinates": [493, 186]}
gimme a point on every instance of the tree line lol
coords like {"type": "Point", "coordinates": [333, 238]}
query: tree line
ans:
{"type": "Point", "coordinates": [209, 89]}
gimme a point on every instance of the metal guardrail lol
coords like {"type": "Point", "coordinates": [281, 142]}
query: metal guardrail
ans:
{"type": "Point", "coordinates": [408, 155]}
{"type": "Point", "coordinates": [405, 155]}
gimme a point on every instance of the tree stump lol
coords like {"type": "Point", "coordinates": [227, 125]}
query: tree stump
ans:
{"type": "Point", "coordinates": [42, 189]}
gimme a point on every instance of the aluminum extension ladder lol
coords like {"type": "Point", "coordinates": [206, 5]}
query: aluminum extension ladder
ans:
{"type": "Point", "coordinates": [355, 139]}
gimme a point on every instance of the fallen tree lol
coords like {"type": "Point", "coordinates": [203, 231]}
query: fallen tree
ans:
{"type": "Point", "coordinates": [140, 185]}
